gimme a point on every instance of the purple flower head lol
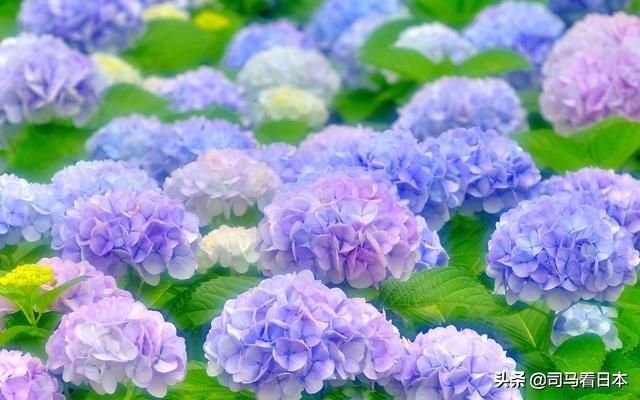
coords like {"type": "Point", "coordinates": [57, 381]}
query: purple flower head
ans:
{"type": "Point", "coordinates": [292, 334]}
{"type": "Point", "coordinates": [147, 231]}
{"type": "Point", "coordinates": [96, 287]}
{"type": "Point", "coordinates": [25, 210]}
{"type": "Point", "coordinates": [574, 10]}
{"type": "Point", "coordinates": [255, 38]}
{"type": "Point", "coordinates": [23, 377]}
{"type": "Point", "coordinates": [43, 79]}
{"type": "Point", "coordinates": [462, 103]}
{"type": "Point", "coordinates": [447, 363]}
{"type": "Point", "coordinates": [617, 194]}
{"type": "Point", "coordinates": [432, 254]}
{"type": "Point", "coordinates": [342, 227]}
{"type": "Point", "coordinates": [562, 250]}
{"type": "Point", "coordinates": [222, 182]}
{"type": "Point", "coordinates": [334, 17]}
{"type": "Point", "coordinates": [496, 173]}
{"type": "Point", "coordinates": [583, 318]}
{"type": "Point", "coordinates": [322, 143]}
{"type": "Point", "coordinates": [282, 159]}
{"type": "Point", "coordinates": [96, 25]}
{"type": "Point", "coordinates": [200, 89]}
{"type": "Point", "coordinates": [117, 340]}
{"type": "Point", "coordinates": [436, 42]}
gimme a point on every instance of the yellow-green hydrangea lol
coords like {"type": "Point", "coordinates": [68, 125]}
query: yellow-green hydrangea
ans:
{"type": "Point", "coordinates": [166, 10]}
{"type": "Point", "coordinates": [115, 70]}
{"type": "Point", "coordinates": [289, 103]}
{"type": "Point", "coordinates": [27, 276]}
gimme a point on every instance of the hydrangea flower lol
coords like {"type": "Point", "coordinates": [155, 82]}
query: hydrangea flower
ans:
{"type": "Point", "coordinates": [115, 70]}
{"type": "Point", "coordinates": [288, 103]}
{"type": "Point", "coordinates": [562, 250]}
{"type": "Point", "coordinates": [432, 254]}
{"type": "Point", "coordinates": [97, 25]}
{"type": "Point", "coordinates": [334, 17]}
{"type": "Point", "coordinates": [436, 42]}
{"type": "Point", "coordinates": [163, 11]}
{"type": "Point", "coordinates": [23, 376]}
{"type": "Point", "coordinates": [146, 231]}
{"type": "Point", "coordinates": [583, 318]}
{"type": "Point", "coordinates": [343, 227]}
{"type": "Point", "coordinates": [291, 333]}
{"type": "Point", "coordinates": [282, 159]}
{"type": "Point", "coordinates": [199, 89]}
{"type": "Point", "coordinates": [447, 363]}
{"type": "Point", "coordinates": [496, 173]}
{"type": "Point", "coordinates": [290, 66]}
{"type": "Point", "coordinates": [25, 210]}
{"type": "Point", "coordinates": [255, 38]}
{"type": "Point", "coordinates": [117, 340]}
{"type": "Point", "coordinates": [222, 182]}
{"type": "Point", "coordinates": [574, 10]}
{"type": "Point", "coordinates": [231, 247]}
{"type": "Point", "coordinates": [462, 103]}
{"type": "Point", "coordinates": [43, 79]}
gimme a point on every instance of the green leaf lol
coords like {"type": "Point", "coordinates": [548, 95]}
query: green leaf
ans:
{"type": "Point", "coordinates": [465, 239]}
{"type": "Point", "coordinates": [43, 302]}
{"type": "Point", "coordinates": [386, 35]}
{"type": "Point", "coordinates": [357, 105]}
{"type": "Point", "coordinates": [550, 150]}
{"type": "Point", "coordinates": [8, 17]}
{"type": "Point", "coordinates": [281, 131]}
{"type": "Point", "coordinates": [200, 386]}
{"type": "Point", "coordinates": [407, 63]}
{"type": "Point", "coordinates": [9, 335]}
{"type": "Point", "coordinates": [493, 62]}
{"type": "Point", "coordinates": [527, 329]}
{"type": "Point", "coordinates": [452, 12]}
{"type": "Point", "coordinates": [628, 321]}
{"type": "Point", "coordinates": [580, 353]}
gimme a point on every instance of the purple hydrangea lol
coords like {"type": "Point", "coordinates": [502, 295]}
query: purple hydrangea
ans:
{"type": "Point", "coordinates": [43, 79]}
{"type": "Point", "coordinates": [97, 25]}
{"type": "Point", "coordinates": [334, 17]}
{"type": "Point", "coordinates": [147, 231]}
{"type": "Point", "coordinates": [255, 38]}
{"type": "Point", "coordinates": [436, 42]}
{"type": "Point", "coordinates": [583, 318]}
{"type": "Point", "coordinates": [23, 377]}
{"type": "Point", "coordinates": [432, 254]}
{"type": "Point", "coordinates": [562, 250]}
{"type": "Point", "coordinates": [322, 143]}
{"type": "Point", "coordinates": [496, 173]}
{"type": "Point", "coordinates": [462, 103]}
{"type": "Point", "coordinates": [292, 334]}
{"type": "Point", "coordinates": [117, 340]}
{"type": "Point", "coordinates": [574, 10]}
{"type": "Point", "coordinates": [200, 89]}
{"type": "Point", "coordinates": [222, 182]}
{"type": "Point", "coordinates": [447, 363]}
{"type": "Point", "coordinates": [617, 194]}
{"type": "Point", "coordinates": [282, 159]}
{"type": "Point", "coordinates": [343, 227]}
{"type": "Point", "coordinates": [96, 287]}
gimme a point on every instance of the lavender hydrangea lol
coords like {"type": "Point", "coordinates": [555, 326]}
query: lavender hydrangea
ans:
{"type": "Point", "coordinates": [584, 318]}
{"type": "Point", "coordinates": [292, 334]}
{"type": "Point", "coordinates": [447, 363]}
{"type": "Point", "coordinates": [117, 340]}
{"type": "Point", "coordinates": [343, 227]}
{"type": "Point", "coordinates": [290, 66]}
{"type": "Point", "coordinates": [436, 42]}
{"type": "Point", "coordinates": [321, 143]}
{"type": "Point", "coordinates": [147, 231]}
{"type": "Point", "coordinates": [97, 25]}
{"type": "Point", "coordinates": [334, 17]}
{"type": "Point", "coordinates": [222, 182]}
{"type": "Point", "coordinates": [23, 376]}
{"type": "Point", "coordinates": [562, 250]}
{"type": "Point", "coordinates": [199, 89]}
{"type": "Point", "coordinates": [496, 173]}
{"type": "Point", "coordinates": [574, 10]}
{"type": "Point", "coordinates": [282, 159]}
{"type": "Point", "coordinates": [43, 79]}
{"type": "Point", "coordinates": [462, 103]}
{"type": "Point", "coordinates": [255, 38]}
{"type": "Point", "coordinates": [432, 254]}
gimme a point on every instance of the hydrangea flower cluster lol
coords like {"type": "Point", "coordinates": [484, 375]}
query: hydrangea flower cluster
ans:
{"type": "Point", "coordinates": [282, 158]}
{"type": "Point", "coordinates": [496, 173]}
{"type": "Point", "coordinates": [462, 103]}
{"type": "Point", "coordinates": [255, 38]}
{"type": "Point", "coordinates": [290, 66]}
{"type": "Point", "coordinates": [561, 250]}
{"type": "Point", "coordinates": [231, 247]}
{"type": "Point", "coordinates": [574, 10]}
{"type": "Point", "coordinates": [117, 340]}
{"type": "Point", "coordinates": [199, 89]}
{"type": "Point", "coordinates": [288, 103]}
{"type": "Point", "coordinates": [617, 194]}
{"type": "Point", "coordinates": [436, 42]}
{"type": "Point", "coordinates": [27, 276]}
{"type": "Point", "coordinates": [343, 227]}
{"type": "Point", "coordinates": [291, 333]}
{"type": "Point", "coordinates": [23, 376]}
{"type": "Point", "coordinates": [322, 143]}
{"type": "Point", "coordinates": [43, 79]}
{"type": "Point", "coordinates": [146, 231]}
{"type": "Point", "coordinates": [584, 318]}
{"type": "Point", "coordinates": [592, 73]}
{"type": "Point", "coordinates": [98, 25]}
{"type": "Point", "coordinates": [222, 182]}
{"type": "Point", "coordinates": [447, 363]}
{"type": "Point", "coordinates": [115, 70]}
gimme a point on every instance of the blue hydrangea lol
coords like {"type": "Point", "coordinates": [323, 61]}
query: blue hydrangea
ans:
{"type": "Point", "coordinates": [96, 25]}
{"type": "Point", "coordinates": [449, 103]}
{"type": "Point", "coordinates": [282, 159]}
{"type": "Point", "coordinates": [436, 41]}
{"type": "Point", "coordinates": [561, 250]}
{"type": "Point", "coordinates": [333, 17]}
{"type": "Point", "coordinates": [255, 38]}
{"type": "Point", "coordinates": [584, 318]}
{"type": "Point", "coordinates": [573, 10]}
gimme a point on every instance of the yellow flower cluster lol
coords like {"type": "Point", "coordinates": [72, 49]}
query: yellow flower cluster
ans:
{"type": "Point", "coordinates": [25, 276]}
{"type": "Point", "coordinates": [212, 21]}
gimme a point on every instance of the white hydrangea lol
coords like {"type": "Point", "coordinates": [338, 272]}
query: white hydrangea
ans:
{"type": "Point", "coordinates": [230, 247]}
{"type": "Point", "coordinates": [115, 70]}
{"type": "Point", "coordinates": [168, 10]}
{"type": "Point", "coordinates": [584, 318]}
{"type": "Point", "coordinates": [288, 103]}
{"type": "Point", "coordinates": [436, 41]}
